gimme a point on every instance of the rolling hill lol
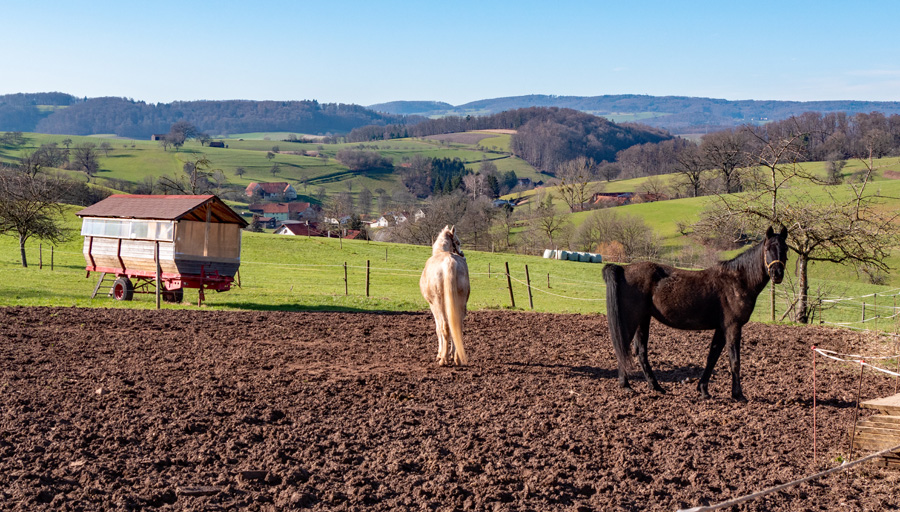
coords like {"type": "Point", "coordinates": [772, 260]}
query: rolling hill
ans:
{"type": "Point", "coordinates": [677, 114]}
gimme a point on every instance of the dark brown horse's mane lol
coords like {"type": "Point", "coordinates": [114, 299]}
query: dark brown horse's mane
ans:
{"type": "Point", "coordinates": [749, 263]}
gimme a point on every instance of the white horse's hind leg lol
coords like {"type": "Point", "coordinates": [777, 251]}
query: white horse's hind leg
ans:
{"type": "Point", "coordinates": [446, 345]}
{"type": "Point", "coordinates": [440, 325]}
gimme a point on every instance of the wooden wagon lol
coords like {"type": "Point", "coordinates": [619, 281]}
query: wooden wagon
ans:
{"type": "Point", "coordinates": [177, 241]}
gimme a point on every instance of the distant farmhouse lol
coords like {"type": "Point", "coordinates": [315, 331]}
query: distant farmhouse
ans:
{"type": "Point", "coordinates": [283, 211]}
{"type": "Point", "coordinates": [394, 218]}
{"type": "Point", "coordinates": [273, 190]}
{"type": "Point", "coordinates": [299, 229]}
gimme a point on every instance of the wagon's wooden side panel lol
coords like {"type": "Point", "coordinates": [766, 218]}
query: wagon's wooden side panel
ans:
{"type": "Point", "coordinates": [133, 254]}
{"type": "Point", "coordinates": [216, 247]}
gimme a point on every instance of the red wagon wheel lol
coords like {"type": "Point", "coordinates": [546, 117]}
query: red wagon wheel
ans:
{"type": "Point", "coordinates": [123, 289]}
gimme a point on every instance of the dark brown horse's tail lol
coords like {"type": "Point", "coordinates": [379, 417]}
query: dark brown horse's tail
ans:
{"type": "Point", "coordinates": [614, 275]}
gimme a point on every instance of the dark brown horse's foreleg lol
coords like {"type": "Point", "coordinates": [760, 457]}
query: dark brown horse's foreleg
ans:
{"type": "Point", "coordinates": [640, 348]}
{"type": "Point", "coordinates": [734, 362]}
{"type": "Point", "coordinates": [715, 350]}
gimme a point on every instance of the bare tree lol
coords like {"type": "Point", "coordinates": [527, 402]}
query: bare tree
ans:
{"type": "Point", "coordinates": [364, 200]}
{"type": "Point", "coordinates": [547, 221]}
{"type": "Point", "coordinates": [195, 179]}
{"type": "Point", "coordinates": [727, 152]}
{"type": "Point", "coordinates": [575, 177]}
{"type": "Point", "coordinates": [847, 228]}
{"type": "Point", "coordinates": [474, 184]}
{"type": "Point", "coordinates": [180, 132]}
{"type": "Point", "coordinates": [638, 240]}
{"type": "Point", "coordinates": [30, 206]}
{"type": "Point", "coordinates": [106, 147]}
{"type": "Point", "coordinates": [690, 166]}
{"type": "Point", "coordinates": [84, 159]}
{"type": "Point", "coordinates": [609, 171]}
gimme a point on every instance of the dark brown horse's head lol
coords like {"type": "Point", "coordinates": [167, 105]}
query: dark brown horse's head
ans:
{"type": "Point", "coordinates": [775, 253]}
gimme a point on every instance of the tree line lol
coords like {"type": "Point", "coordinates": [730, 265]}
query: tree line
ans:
{"type": "Point", "coordinates": [129, 118]}
{"type": "Point", "coordinates": [545, 137]}
{"type": "Point", "coordinates": [720, 161]}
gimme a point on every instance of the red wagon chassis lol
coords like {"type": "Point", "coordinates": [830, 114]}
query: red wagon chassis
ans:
{"type": "Point", "coordinates": [173, 285]}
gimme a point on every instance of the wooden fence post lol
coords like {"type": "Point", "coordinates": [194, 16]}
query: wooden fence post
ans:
{"type": "Point", "coordinates": [51, 257]}
{"type": "Point", "coordinates": [548, 280]}
{"type": "Point", "coordinates": [158, 273]}
{"type": "Point", "coordinates": [509, 284]}
{"type": "Point", "coordinates": [367, 274]}
{"type": "Point", "coordinates": [875, 310]}
{"type": "Point", "coordinates": [772, 301]}
{"type": "Point", "coordinates": [346, 291]}
{"type": "Point", "coordinates": [41, 256]}
{"type": "Point", "coordinates": [528, 284]}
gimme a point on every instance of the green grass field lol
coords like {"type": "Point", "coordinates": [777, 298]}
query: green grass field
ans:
{"type": "Point", "coordinates": [135, 160]}
{"type": "Point", "coordinates": [295, 273]}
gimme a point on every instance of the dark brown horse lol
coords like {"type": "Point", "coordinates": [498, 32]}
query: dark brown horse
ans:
{"type": "Point", "coordinates": [721, 297]}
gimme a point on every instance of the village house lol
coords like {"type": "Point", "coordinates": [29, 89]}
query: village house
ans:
{"type": "Point", "coordinates": [273, 190]}
{"type": "Point", "coordinates": [267, 222]}
{"type": "Point", "coordinates": [299, 229]}
{"type": "Point", "coordinates": [389, 219]}
{"type": "Point", "coordinates": [283, 211]}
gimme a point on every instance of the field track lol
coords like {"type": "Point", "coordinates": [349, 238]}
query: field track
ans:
{"type": "Point", "coordinates": [115, 409]}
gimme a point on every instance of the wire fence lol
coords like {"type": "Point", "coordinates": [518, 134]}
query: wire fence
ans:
{"type": "Point", "coordinates": [571, 283]}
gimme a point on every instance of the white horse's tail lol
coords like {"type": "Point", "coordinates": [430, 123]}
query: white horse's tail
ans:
{"type": "Point", "coordinates": [454, 310]}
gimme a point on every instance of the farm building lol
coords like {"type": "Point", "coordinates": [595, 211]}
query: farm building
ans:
{"type": "Point", "coordinates": [299, 229]}
{"type": "Point", "coordinates": [198, 238]}
{"type": "Point", "coordinates": [273, 190]}
{"type": "Point", "coordinates": [283, 211]}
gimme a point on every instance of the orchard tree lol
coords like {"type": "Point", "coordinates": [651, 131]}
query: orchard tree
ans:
{"type": "Point", "coordinates": [180, 132]}
{"type": "Point", "coordinates": [85, 159]}
{"type": "Point", "coordinates": [850, 226]}
{"type": "Point", "coordinates": [30, 206]}
{"type": "Point", "coordinates": [575, 177]}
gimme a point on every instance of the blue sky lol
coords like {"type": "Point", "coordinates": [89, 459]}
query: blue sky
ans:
{"type": "Point", "coordinates": [367, 52]}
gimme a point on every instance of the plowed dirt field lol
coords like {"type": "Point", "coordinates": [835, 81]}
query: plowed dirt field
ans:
{"type": "Point", "coordinates": [113, 409]}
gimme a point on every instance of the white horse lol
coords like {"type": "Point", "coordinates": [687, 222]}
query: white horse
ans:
{"type": "Point", "coordinates": [445, 285]}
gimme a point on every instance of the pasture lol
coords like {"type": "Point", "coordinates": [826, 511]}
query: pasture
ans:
{"type": "Point", "coordinates": [303, 274]}
{"type": "Point", "coordinates": [136, 160]}
{"type": "Point", "coordinates": [106, 409]}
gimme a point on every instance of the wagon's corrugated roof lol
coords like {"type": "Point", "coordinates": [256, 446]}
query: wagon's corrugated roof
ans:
{"type": "Point", "coordinates": [173, 207]}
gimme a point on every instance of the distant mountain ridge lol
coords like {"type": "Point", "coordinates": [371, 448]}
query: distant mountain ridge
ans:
{"type": "Point", "coordinates": [61, 113]}
{"type": "Point", "coordinates": [678, 114]}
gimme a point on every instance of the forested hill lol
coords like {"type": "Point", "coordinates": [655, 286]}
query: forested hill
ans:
{"type": "Point", "coordinates": [411, 107]}
{"type": "Point", "coordinates": [22, 112]}
{"type": "Point", "coordinates": [678, 114]}
{"type": "Point", "coordinates": [65, 114]}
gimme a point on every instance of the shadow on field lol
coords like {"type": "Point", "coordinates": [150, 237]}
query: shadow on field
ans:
{"type": "Point", "coordinates": [678, 375]}
{"type": "Point", "coordinates": [252, 306]}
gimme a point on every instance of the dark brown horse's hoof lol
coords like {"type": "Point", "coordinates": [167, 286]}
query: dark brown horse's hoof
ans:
{"type": "Point", "coordinates": [739, 398]}
{"type": "Point", "coordinates": [627, 389]}
{"type": "Point", "coordinates": [659, 389]}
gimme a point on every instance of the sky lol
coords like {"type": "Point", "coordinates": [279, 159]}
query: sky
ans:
{"type": "Point", "coordinates": [368, 52]}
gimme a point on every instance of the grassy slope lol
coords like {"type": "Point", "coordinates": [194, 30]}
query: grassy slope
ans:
{"type": "Point", "coordinates": [275, 269]}
{"type": "Point", "coordinates": [134, 160]}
